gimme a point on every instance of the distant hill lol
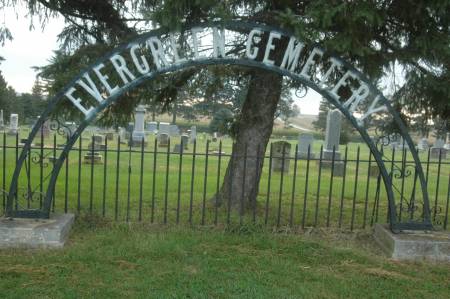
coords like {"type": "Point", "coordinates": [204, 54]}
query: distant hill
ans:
{"type": "Point", "coordinates": [303, 121]}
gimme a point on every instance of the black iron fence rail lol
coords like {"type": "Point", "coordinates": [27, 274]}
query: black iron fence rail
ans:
{"type": "Point", "coordinates": [144, 183]}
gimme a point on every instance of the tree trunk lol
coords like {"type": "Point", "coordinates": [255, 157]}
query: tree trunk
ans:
{"type": "Point", "coordinates": [254, 127]}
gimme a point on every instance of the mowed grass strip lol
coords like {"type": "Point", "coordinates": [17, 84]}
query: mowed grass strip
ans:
{"type": "Point", "coordinates": [117, 260]}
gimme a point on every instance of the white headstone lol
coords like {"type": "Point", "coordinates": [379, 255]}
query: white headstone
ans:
{"type": "Point", "coordinates": [281, 151]}
{"type": "Point", "coordinates": [438, 151]}
{"type": "Point", "coordinates": [305, 141]}
{"type": "Point", "coordinates": [164, 128]}
{"type": "Point", "coordinates": [139, 121]}
{"type": "Point", "coordinates": [152, 127]}
{"type": "Point", "coordinates": [439, 143]}
{"type": "Point", "coordinates": [423, 144]}
{"type": "Point", "coordinates": [332, 135]}
{"type": "Point", "coordinates": [185, 141]}
{"type": "Point", "coordinates": [193, 134]}
{"type": "Point", "coordinates": [13, 124]}
{"type": "Point", "coordinates": [174, 130]}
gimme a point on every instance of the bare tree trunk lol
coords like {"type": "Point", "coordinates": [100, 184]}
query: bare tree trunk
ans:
{"type": "Point", "coordinates": [254, 127]}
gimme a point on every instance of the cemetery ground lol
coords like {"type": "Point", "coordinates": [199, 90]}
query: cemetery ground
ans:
{"type": "Point", "coordinates": [164, 192]}
{"type": "Point", "coordinates": [108, 260]}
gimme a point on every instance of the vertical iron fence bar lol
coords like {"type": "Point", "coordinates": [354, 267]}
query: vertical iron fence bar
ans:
{"type": "Point", "coordinates": [403, 175]}
{"type": "Point", "coordinates": [141, 179]}
{"type": "Point", "coordinates": [191, 195]}
{"type": "Point", "coordinates": [344, 176]}
{"type": "Point", "coordinates": [129, 180]}
{"type": "Point", "coordinates": [446, 206]}
{"type": "Point", "coordinates": [17, 158]}
{"type": "Point", "coordinates": [291, 216]}
{"type": "Point", "coordinates": [241, 208]}
{"type": "Point", "coordinates": [413, 195]}
{"type": "Point", "coordinates": [41, 166]}
{"type": "Point", "coordinates": [54, 161]}
{"type": "Point", "coordinates": [29, 196]}
{"type": "Point", "coordinates": [205, 182]}
{"type": "Point", "coordinates": [155, 151]}
{"type": "Point", "coordinates": [79, 175]}
{"type": "Point", "coordinates": [180, 165]}
{"type": "Point", "coordinates": [166, 187]}
{"type": "Point", "coordinates": [91, 187]}
{"type": "Point", "coordinates": [4, 170]}
{"type": "Point", "coordinates": [66, 183]}
{"type": "Point", "coordinates": [428, 167]}
{"type": "Point", "coordinates": [257, 180]}
{"type": "Point", "coordinates": [355, 189]}
{"type": "Point", "coordinates": [316, 215]}
{"type": "Point", "coordinates": [105, 173]}
{"type": "Point", "coordinates": [308, 158]}
{"type": "Point", "coordinates": [266, 217]}
{"type": "Point", "coordinates": [437, 185]}
{"type": "Point", "coordinates": [366, 199]}
{"type": "Point", "coordinates": [392, 182]}
{"type": "Point", "coordinates": [116, 199]}
{"type": "Point", "coordinates": [231, 184]}
{"type": "Point", "coordinates": [330, 190]}
{"type": "Point", "coordinates": [216, 206]}
{"type": "Point", "coordinates": [280, 193]}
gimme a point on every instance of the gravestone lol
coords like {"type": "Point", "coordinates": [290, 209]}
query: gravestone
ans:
{"type": "Point", "coordinates": [93, 155]}
{"type": "Point", "coordinates": [164, 128]}
{"type": "Point", "coordinates": [138, 135]}
{"type": "Point", "coordinates": [46, 129]}
{"type": "Point", "coordinates": [214, 137]}
{"type": "Point", "coordinates": [438, 149]}
{"type": "Point", "coordinates": [163, 140]}
{"type": "Point", "coordinates": [176, 148]}
{"type": "Point", "coordinates": [109, 136]}
{"type": "Point", "coordinates": [13, 124]}
{"type": "Point", "coordinates": [305, 141]}
{"type": "Point", "coordinates": [447, 145]}
{"type": "Point", "coordinates": [123, 135]}
{"type": "Point", "coordinates": [193, 134]}
{"type": "Point", "coordinates": [2, 122]}
{"type": "Point", "coordinates": [152, 127]}
{"type": "Point", "coordinates": [332, 137]}
{"type": "Point", "coordinates": [174, 131]}
{"type": "Point", "coordinates": [185, 141]}
{"type": "Point", "coordinates": [423, 144]}
{"type": "Point", "coordinates": [281, 151]}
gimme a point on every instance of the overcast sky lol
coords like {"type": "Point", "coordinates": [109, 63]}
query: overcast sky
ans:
{"type": "Point", "coordinates": [35, 48]}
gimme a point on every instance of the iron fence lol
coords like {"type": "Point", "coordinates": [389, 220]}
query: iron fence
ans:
{"type": "Point", "coordinates": [158, 183]}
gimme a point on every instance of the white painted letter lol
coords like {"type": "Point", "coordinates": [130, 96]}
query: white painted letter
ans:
{"type": "Point", "coordinates": [334, 64]}
{"type": "Point", "coordinates": [91, 88]}
{"type": "Point", "coordinates": [77, 102]}
{"type": "Point", "coordinates": [357, 97]}
{"type": "Point", "coordinates": [292, 54]}
{"type": "Point", "coordinates": [143, 67]}
{"type": "Point", "coordinates": [248, 51]}
{"type": "Point", "coordinates": [218, 42]}
{"type": "Point", "coordinates": [104, 78]}
{"type": "Point", "coordinates": [175, 47]}
{"type": "Point", "coordinates": [372, 108]}
{"type": "Point", "coordinates": [120, 65]}
{"type": "Point", "coordinates": [195, 40]}
{"type": "Point", "coordinates": [270, 46]}
{"type": "Point", "coordinates": [157, 52]}
{"type": "Point", "coordinates": [342, 82]}
{"type": "Point", "coordinates": [310, 62]}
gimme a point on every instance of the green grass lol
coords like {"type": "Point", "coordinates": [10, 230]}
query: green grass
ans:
{"type": "Point", "coordinates": [120, 261]}
{"type": "Point", "coordinates": [363, 205]}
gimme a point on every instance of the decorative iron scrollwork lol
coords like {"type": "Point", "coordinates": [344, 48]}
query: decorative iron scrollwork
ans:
{"type": "Point", "coordinates": [400, 172]}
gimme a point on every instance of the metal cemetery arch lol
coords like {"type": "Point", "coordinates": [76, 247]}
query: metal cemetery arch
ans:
{"type": "Point", "coordinates": [207, 45]}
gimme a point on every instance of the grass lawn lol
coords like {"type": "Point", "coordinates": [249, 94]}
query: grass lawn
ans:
{"type": "Point", "coordinates": [104, 260]}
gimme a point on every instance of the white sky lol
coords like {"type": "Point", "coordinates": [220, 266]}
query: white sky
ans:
{"type": "Point", "coordinates": [35, 48]}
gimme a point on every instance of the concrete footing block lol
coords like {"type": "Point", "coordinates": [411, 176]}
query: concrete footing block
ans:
{"type": "Point", "coordinates": [413, 245]}
{"type": "Point", "coordinates": [35, 233]}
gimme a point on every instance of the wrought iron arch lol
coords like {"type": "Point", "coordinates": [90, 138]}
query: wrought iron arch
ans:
{"type": "Point", "coordinates": [424, 223]}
